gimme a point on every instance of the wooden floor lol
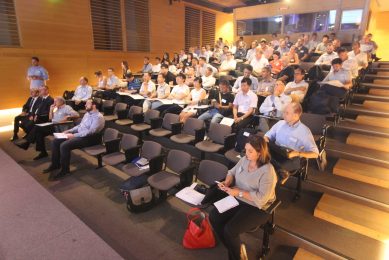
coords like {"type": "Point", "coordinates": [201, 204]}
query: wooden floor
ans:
{"type": "Point", "coordinates": [376, 105]}
{"type": "Point", "coordinates": [370, 142]}
{"type": "Point", "coordinates": [362, 172]}
{"type": "Point", "coordinates": [379, 92]}
{"type": "Point", "coordinates": [303, 254]}
{"type": "Point", "coordinates": [373, 121]}
{"type": "Point", "coordinates": [356, 217]}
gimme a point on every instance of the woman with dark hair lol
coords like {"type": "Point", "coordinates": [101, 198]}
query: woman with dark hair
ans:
{"type": "Point", "coordinates": [176, 59]}
{"type": "Point", "coordinates": [255, 181]}
{"type": "Point", "coordinates": [125, 68]}
{"type": "Point", "coordinates": [188, 61]}
{"type": "Point", "coordinates": [165, 58]}
{"type": "Point", "coordinates": [276, 64]}
{"type": "Point", "coordinates": [197, 94]}
{"type": "Point", "coordinates": [101, 80]}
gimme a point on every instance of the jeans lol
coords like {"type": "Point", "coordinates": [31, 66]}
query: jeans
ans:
{"type": "Point", "coordinates": [213, 115]}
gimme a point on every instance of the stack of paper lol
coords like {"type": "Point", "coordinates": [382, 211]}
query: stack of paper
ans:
{"type": "Point", "coordinates": [227, 121]}
{"type": "Point", "coordinates": [226, 204]}
{"type": "Point", "coordinates": [60, 136]}
{"type": "Point", "coordinates": [189, 195]}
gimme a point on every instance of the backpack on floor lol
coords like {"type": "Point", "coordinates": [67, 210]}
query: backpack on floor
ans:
{"type": "Point", "coordinates": [138, 193]}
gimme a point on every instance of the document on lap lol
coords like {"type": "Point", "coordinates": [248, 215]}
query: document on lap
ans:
{"type": "Point", "coordinates": [226, 204]}
{"type": "Point", "coordinates": [227, 121]}
{"type": "Point", "coordinates": [60, 136]}
{"type": "Point", "coordinates": [44, 124]}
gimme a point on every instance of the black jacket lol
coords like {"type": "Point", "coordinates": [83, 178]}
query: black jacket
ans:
{"type": "Point", "coordinates": [28, 104]}
{"type": "Point", "coordinates": [44, 108]}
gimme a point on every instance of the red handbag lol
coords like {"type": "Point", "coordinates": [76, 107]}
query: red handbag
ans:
{"type": "Point", "coordinates": [199, 233]}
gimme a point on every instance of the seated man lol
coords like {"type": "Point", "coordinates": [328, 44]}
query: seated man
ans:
{"type": "Point", "coordinates": [208, 79]}
{"type": "Point", "coordinates": [25, 118]}
{"type": "Point", "coordinates": [168, 76]}
{"type": "Point", "coordinates": [287, 73]}
{"type": "Point", "coordinates": [349, 63]}
{"type": "Point", "coordinates": [358, 55]}
{"type": "Point", "coordinates": [147, 89]}
{"type": "Point", "coordinates": [59, 114]}
{"type": "Point", "coordinates": [82, 94]}
{"type": "Point", "coordinates": [327, 57]}
{"type": "Point", "coordinates": [163, 92]}
{"type": "Point", "coordinates": [244, 104]}
{"type": "Point", "coordinates": [83, 135]}
{"type": "Point", "coordinates": [247, 73]}
{"type": "Point", "coordinates": [302, 51]}
{"type": "Point", "coordinates": [156, 68]}
{"type": "Point", "coordinates": [133, 84]}
{"type": "Point", "coordinates": [112, 80]}
{"type": "Point", "coordinates": [227, 65]}
{"type": "Point", "coordinates": [240, 53]}
{"type": "Point", "coordinates": [293, 135]}
{"type": "Point", "coordinates": [147, 66]}
{"type": "Point", "coordinates": [221, 103]}
{"type": "Point", "coordinates": [42, 112]}
{"type": "Point", "coordinates": [258, 62]}
{"type": "Point", "coordinates": [266, 85]}
{"type": "Point", "coordinates": [298, 88]}
{"type": "Point", "coordinates": [321, 47]}
{"type": "Point", "coordinates": [338, 80]}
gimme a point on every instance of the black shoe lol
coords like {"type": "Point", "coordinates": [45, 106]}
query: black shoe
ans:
{"type": "Point", "coordinates": [61, 174]}
{"type": "Point", "coordinates": [40, 156]}
{"type": "Point", "coordinates": [14, 138]}
{"type": "Point", "coordinates": [50, 169]}
{"type": "Point", "coordinates": [24, 145]}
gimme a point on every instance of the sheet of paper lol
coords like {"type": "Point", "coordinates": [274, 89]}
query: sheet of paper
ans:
{"type": "Point", "coordinates": [189, 195]}
{"type": "Point", "coordinates": [226, 204]}
{"type": "Point", "coordinates": [60, 136]}
{"type": "Point", "coordinates": [136, 96]}
{"type": "Point", "coordinates": [335, 83]}
{"type": "Point", "coordinates": [227, 121]}
{"type": "Point", "coordinates": [44, 124]}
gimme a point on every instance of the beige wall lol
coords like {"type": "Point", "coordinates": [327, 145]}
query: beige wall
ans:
{"type": "Point", "coordinates": [60, 34]}
{"type": "Point", "coordinates": [379, 27]}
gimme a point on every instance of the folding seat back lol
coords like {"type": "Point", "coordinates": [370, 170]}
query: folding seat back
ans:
{"type": "Point", "coordinates": [128, 141]}
{"type": "Point", "coordinates": [168, 120]}
{"type": "Point", "coordinates": [177, 161]}
{"type": "Point", "coordinates": [218, 132]}
{"type": "Point", "coordinates": [210, 171]}
{"type": "Point", "coordinates": [150, 149]}
{"type": "Point", "coordinates": [110, 134]}
{"type": "Point", "coordinates": [191, 125]}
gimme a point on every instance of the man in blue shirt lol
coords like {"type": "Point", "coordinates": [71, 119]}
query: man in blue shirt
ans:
{"type": "Point", "coordinates": [147, 67]}
{"type": "Point", "coordinates": [133, 86]}
{"type": "Point", "coordinates": [36, 74]}
{"type": "Point", "coordinates": [87, 133]}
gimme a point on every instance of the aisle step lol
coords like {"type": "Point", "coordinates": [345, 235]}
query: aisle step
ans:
{"type": "Point", "coordinates": [373, 121]}
{"type": "Point", "coordinates": [376, 105]}
{"type": "Point", "coordinates": [369, 142]}
{"type": "Point", "coordinates": [379, 92]}
{"type": "Point", "coordinates": [374, 76]}
{"type": "Point", "coordinates": [362, 172]}
{"type": "Point", "coordinates": [371, 97]}
{"type": "Point", "coordinates": [360, 110]}
{"type": "Point", "coordinates": [353, 216]}
{"type": "Point", "coordinates": [303, 254]}
{"type": "Point", "coordinates": [379, 69]}
{"type": "Point", "coordinates": [375, 85]}
{"type": "Point", "coordinates": [383, 73]}
{"type": "Point", "coordinates": [349, 125]}
{"type": "Point", "coordinates": [381, 81]}
{"type": "Point", "coordinates": [338, 149]}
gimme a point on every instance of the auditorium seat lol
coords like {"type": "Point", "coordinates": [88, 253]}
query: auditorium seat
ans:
{"type": "Point", "coordinates": [117, 154]}
{"type": "Point", "coordinates": [163, 127]}
{"type": "Point", "coordinates": [193, 131]}
{"type": "Point", "coordinates": [125, 117]}
{"type": "Point", "coordinates": [140, 128]}
{"type": "Point", "coordinates": [114, 116]}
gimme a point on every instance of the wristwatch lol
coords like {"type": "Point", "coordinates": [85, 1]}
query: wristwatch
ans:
{"type": "Point", "coordinates": [240, 194]}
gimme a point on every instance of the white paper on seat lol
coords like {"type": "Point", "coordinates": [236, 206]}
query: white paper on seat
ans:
{"type": "Point", "coordinates": [44, 124]}
{"type": "Point", "coordinates": [226, 204]}
{"type": "Point", "coordinates": [335, 83]}
{"type": "Point", "coordinates": [60, 136]}
{"type": "Point", "coordinates": [189, 195]}
{"type": "Point", "coordinates": [227, 121]}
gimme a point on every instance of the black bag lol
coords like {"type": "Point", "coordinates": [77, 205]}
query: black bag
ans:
{"type": "Point", "coordinates": [68, 95]}
{"type": "Point", "coordinates": [315, 73]}
{"type": "Point", "coordinates": [213, 194]}
{"type": "Point", "coordinates": [138, 194]}
{"type": "Point", "coordinates": [242, 137]}
{"type": "Point", "coordinates": [320, 103]}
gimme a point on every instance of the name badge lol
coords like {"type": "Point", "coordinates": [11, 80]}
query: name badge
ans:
{"type": "Point", "coordinates": [246, 134]}
{"type": "Point", "coordinates": [224, 101]}
{"type": "Point", "coordinates": [302, 51]}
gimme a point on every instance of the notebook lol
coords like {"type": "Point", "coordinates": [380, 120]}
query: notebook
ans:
{"type": "Point", "coordinates": [225, 204]}
{"type": "Point", "coordinates": [60, 136]}
{"type": "Point", "coordinates": [227, 121]}
{"type": "Point", "coordinates": [190, 195]}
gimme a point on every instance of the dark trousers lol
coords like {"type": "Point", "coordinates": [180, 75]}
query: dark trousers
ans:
{"type": "Point", "coordinates": [230, 224]}
{"type": "Point", "coordinates": [40, 134]}
{"type": "Point", "coordinates": [242, 124]}
{"type": "Point", "coordinates": [282, 163]}
{"type": "Point", "coordinates": [334, 91]}
{"type": "Point", "coordinates": [61, 149]}
{"type": "Point", "coordinates": [22, 122]}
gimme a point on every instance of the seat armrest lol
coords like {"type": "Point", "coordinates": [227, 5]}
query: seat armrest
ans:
{"type": "Point", "coordinates": [176, 128]}
{"type": "Point", "coordinates": [108, 110]}
{"type": "Point", "coordinates": [132, 153]}
{"type": "Point", "coordinates": [122, 114]}
{"type": "Point", "coordinates": [112, 146]}
{"type": "Point", "coordinates": [199, 135]}
{"type": "Point", "coordinates": [186, 176]}
{"type": "Point", "coordinates": [137, 118]}
{"type": "Point", "coordinates": [229, 141]}
{"type": "Point", "coordinates": [156, 122]}
{"type": "Point", "coordinates": [273, 207]}
{"type": "Point", "coordinates": [156, 164]}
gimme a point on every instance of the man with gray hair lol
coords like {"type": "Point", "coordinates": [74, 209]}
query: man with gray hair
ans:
{"type": "Point", "coordinates": [60, 114]}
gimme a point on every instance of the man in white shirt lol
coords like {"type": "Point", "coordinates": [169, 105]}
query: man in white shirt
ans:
{"type": "Point", "coordinates": [204, 54]}
{"type": "Point", "coordinates": [82, 94]}
{"type": "Point", "coordinates": [182, 56]}
{"type": "Point", "coordinates": [312, 44]}
{"type": "Point", "coordinates": [247, 71]}
{"type": "Point", "coordinates": [156, 68]}
{"type": "Point", "coordinates": [208, 79]}
{"type": "Point", "coordinates": [245, 103]}
{"type": "Point", "coordinates": [358, 55]}
{"type": "Point", "coordinates": [349, 64]}
{"type": "Point", "coordinates": [266, 50]}
{"type": "Point", "coordinates": [180, 92]}
{"type": "Point", "coordinates": [112, 80]}
{"type": "Point", "coordinates": [223, 56]}
{"type": "Point", "coordinates": [328, 56]}
{"type": "Point", "coordinates": [147, 89]}
{"type": "Point", "coordinates": [258, 62]}
{"type": "Point", "coordinates": [201, 69]}
{"type": "Point", "coordinates": [227, 65]}
{"type": "Point", "coordinates": [338, 80]}
{"type": "Point", "coordinates": [283, 49]}
{"type": "Point", "coordinates": [298, 88]}
{"type": "Point", "coordinates": [266, 85]}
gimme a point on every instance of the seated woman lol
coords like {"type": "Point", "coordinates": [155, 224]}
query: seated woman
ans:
{"type": "Point", "coordinates": [197, 94]}
{"type": "Point", "coordinates": [255, 181]}
{"type": "Point", "coordinates": [101, 80]}
{"type": "Point", "coordinates": [276, 64]}
{"type": "Point", "coordinates": [293, 57]}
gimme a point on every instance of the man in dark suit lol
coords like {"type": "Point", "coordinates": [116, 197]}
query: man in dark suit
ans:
{"type": "Point", "coordinates": [43, 110]}
{"type": "Point", "coordinates": [28, 112]}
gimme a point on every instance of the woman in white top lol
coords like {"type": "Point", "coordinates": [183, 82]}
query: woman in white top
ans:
{"type": "Point", "coordinates": [197, 94]}
{"type": "Point", "coordinates": [101, 80]}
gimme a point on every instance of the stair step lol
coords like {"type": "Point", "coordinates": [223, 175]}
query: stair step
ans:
{"type": "Point", "coordinates": [375, 85]}
{"type": "Point", "coordinates": [303, 254]}
{"type": "Point", "coordinates": [359, 109]}
{"type": "Point", "coordinates": [383, 73]}
{"type": "Point", "coordinates": [379, 92]}
{"type": "Point", "coordinates": [337, 149]}
{"type": "Point", "coordinates": [380, 69]}
{"type": "Point", "coordinates": [373, 121]}
{"type": "Point", "coordinates": [368, 141]}
{"type": "Point", "coordinates": [359, 218]}
{"type": "Point", "coordinates": [362, 172]}
{"type": "Point", "coordinates": [371, 97]}
{"type": "Point", "coordinates": [353, 126]}
{"type": "Point", "coordinates": [381, 81]}
{"type": "Point", "coordinates": [376, 105]}
{"type": "Point", "coordinates": [374, 76]}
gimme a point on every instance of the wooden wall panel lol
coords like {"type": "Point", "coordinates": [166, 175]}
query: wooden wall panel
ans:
{"type": "Point", "coordinates": [60, 34]}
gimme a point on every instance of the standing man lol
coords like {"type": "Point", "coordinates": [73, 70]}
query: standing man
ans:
{"type": "Point", "coordinates": [83, 135]}
{"type": "Point", "coordinates": [36, 74]}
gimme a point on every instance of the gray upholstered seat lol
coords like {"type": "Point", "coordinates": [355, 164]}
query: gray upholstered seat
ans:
{"type": "Point", "coordinates": [150, 114]}
{"type": "Point", "coordinates": [128, 121]}
{"type": "Point", "coordinates": [216, 135]}
{"type": "Point", "coordinates": [232, 156]}
{"type": "Point", "coordinates": [166, 128]}
{"type": "Point", "coordinates": [149, 150]}
{"type": "Point", "coordinates": [209, 146]}
{"type": "Point", "coordinates": [188, 131]}
{"type": "Point", "coordinates": [210, 171]}
{"type": "Point", "coordinates": [140, 127]}
{"type": "Point", "coordinates": [177, 161]}
{"type": "Point", "coordinates": [128, 141]}
{"type": "Point", "coordinates": [118, 107]}
{"type": "Point", "coordinates": [95, 150]}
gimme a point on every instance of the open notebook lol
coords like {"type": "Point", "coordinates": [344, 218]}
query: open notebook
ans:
{"type": "Point", "coordinates": [225, 204]}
